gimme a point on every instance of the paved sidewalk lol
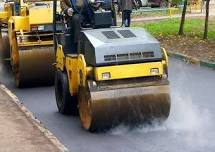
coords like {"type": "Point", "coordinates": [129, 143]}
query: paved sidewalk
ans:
{"type": "Point", "coordinates": [17, 132]}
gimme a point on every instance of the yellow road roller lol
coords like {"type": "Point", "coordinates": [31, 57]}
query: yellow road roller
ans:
{"type": "Point", "coordinates": [5, 13]}
{"type": "Point", "coordinates": [117, 75]}
{"type": "Point", "coordinates": [30, 34]}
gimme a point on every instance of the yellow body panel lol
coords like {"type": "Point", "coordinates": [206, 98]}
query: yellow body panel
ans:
{"type": "Point", "coordinates": [35, 17]}
{"type": "Point", "coordinates": [75, 66]}
{"type": "Point", "coordinates": [36, 43]}
{"type": "Point", "coordinates": [165, 56]}
{"type": "Point", "coordinates": [19, 23]}
{"type": "Point", "coordinates": [23, 11]}
{"type": "Point", "coordinates": [3, 15]}
{"type": "Point", "coordinates": [29, 15]}
{"type": "Point", "coordinates": [7, 12]}
{"type": "Point", "coordinates": [77, 72]}
{"type": "Point", "coordinates": [72, 72]}
{"type": "Point", "coordinates": [40, 16]}
{"type": "Point", "coordinates": [8, 7]}
{"type": "Point", "coordinates": [128, 71]}
{"type": "Point", "coordinates": [60, 58]}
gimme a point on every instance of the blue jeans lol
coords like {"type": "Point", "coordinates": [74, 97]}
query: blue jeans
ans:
{"type": "Point", "coordinates": [16, 8]}
{"type": "Point", "coordinates": [126, 18]}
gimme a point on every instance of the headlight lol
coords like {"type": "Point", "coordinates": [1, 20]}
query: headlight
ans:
{"type": "Point", "coordinates": [154, 71]}
{"type": "Point", "coordinates": [164, 76]}
{"type": "Point", "coordinates": [38, 28]}
{"type": "Point", "coordinates": [106, 75]}
{"type": "Point", "coordinates": [41, 28]}
{"type": "Point", "coordinates": [34, 28]}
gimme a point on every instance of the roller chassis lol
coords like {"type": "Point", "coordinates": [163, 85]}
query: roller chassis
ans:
{"type": "Point", "coordinates": [31, 45]}
{"type": "Point", "coordinates": [93, 98]}
{"type": "Point", "coordinates": [118, 76]}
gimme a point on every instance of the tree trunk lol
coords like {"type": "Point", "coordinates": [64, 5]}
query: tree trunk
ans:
{"type": "Point", "coordinates": [206, 20]}
{"type": "Point", "coordinates": [181, 29]}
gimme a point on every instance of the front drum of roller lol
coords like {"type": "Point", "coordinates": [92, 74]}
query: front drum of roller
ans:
{"type": "Point", "coordinates": [102, 109]}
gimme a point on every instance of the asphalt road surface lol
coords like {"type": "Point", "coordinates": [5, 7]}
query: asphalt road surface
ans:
{"type": "Point", "coordinates": [190, 127]}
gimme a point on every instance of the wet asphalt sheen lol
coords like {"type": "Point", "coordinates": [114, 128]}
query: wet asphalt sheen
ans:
{"type": "Point", "coordinates": [190, 127]}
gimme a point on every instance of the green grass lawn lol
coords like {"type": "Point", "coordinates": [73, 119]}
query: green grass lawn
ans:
{"type": "Point", "coordinates": [193, 27]}
{"type": "Point", "coordinates": [154, 13]}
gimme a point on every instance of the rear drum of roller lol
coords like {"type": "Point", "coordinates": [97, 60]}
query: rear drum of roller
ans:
{"type": "Point", "coordinates": [35, 66]}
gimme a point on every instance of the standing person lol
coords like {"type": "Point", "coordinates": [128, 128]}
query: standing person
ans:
{"type": "Point", "coordinates": [126, 8]}
{"type": "Point", "coordinates": [17, 7]}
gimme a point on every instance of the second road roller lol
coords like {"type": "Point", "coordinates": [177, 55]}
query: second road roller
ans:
{"type": "Point", "coordinates": [5, 13]}
{"type": "Point", "coordinates": [30, 33]}
{"type": "Point", "coordinates": [108, 75]}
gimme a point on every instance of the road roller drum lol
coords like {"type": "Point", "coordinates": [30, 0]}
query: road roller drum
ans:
{"type": "Point", "coordinates": [35, 66]}
{"type": "Point", "coordinates": [103, 107]}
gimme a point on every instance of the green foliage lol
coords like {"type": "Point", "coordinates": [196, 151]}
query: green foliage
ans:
{"type": "Point", "coordinates": [192, 27]}
{"type": "Point", "coordinates": [177, 2]}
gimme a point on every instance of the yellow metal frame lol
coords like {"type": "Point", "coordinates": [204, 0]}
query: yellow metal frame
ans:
{"type": "Point", "coordinates": [29, 15]}
{"type": "Point", "coordinates": [76, 69]}
{"type": "Point", "coordinates": [165, 56]}
{"type": "Point", "coordinates": [77, 72]}
{"type": "Point", "coordinates": [7, 13]}
{"type": "Point", "coordinates": [19, 23]}
{"type": "Point", "coordinates": [37, 43]}
{"type": "Point", "coordinates": [40, 16]}
{"type": "Point", "coordinates": [128, 71]}
{"type": "Point", "coordinates": [60, 58]}
{"type": "Point", "coordinates": [132, 70]}
{"type": "Point", "coordinates": [72, 72]}
{"type": "Point", "coordinates": [3, 15]}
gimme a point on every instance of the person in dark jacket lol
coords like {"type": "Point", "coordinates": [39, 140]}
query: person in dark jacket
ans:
{"type": "Point", "coordinates": [78, 14]}
{"type": "Point", "coordinates": [126, 8]}
{"type": "Point", "coordinates": [73, 19]}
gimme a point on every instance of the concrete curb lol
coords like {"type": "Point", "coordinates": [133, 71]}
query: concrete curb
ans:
{"type": "Point", "coordinates": [191, 60]}
{"type": "Point", "coordinates": [34, 120]}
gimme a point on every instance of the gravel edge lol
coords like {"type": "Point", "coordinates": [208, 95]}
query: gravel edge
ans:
{"type": "Point", "coordinates": [34, 120]}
